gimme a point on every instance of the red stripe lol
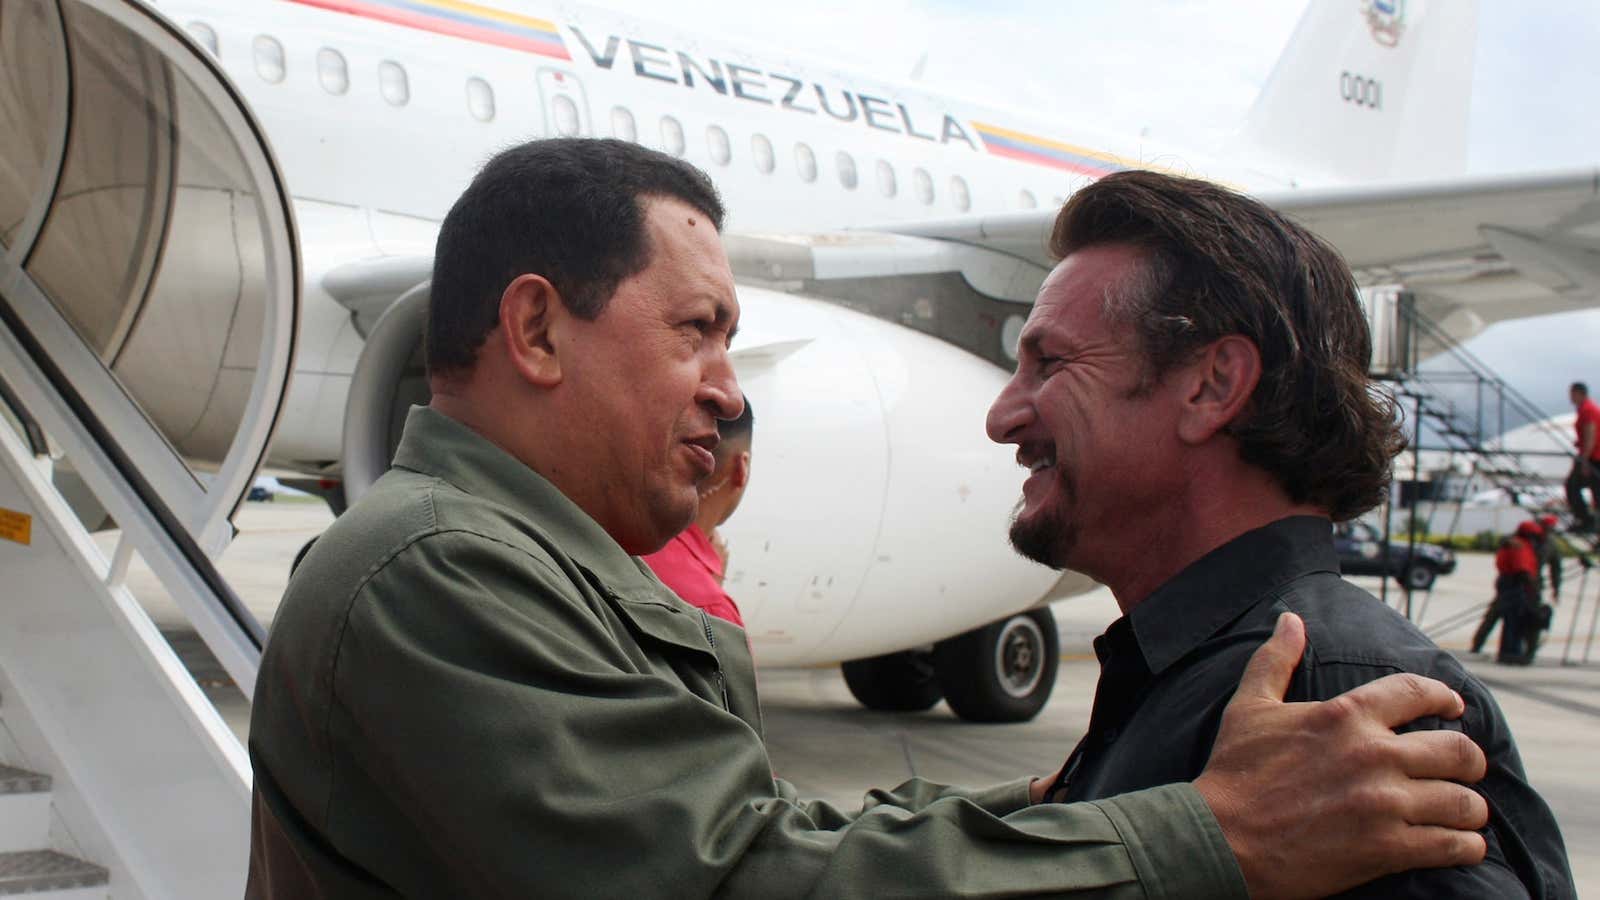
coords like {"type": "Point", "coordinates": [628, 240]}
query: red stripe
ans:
{"type": "Point", "coordinates": [441, 26]}
{"type": "Point", "coordinates": [1043, 160]}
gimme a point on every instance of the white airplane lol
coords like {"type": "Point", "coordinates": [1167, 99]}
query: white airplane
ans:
{"type": "Point", "coordinates": [233, 206]}
{"type": "Point", "coordinates": [215, 228]}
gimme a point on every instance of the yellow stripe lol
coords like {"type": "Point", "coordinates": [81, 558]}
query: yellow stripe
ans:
{"type": "Point", "coordinates": [1056, 145]}
{"type": "Point", "coordinates": [489, 12]}
{"type": "Point", "coordinates": [1095, 154]}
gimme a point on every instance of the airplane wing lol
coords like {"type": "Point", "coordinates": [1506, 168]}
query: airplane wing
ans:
{"type": "Point", "coordinates": [971, 293]}
{"type": "Point", "coordinates": [1472, 250]}
{"type": "Point", "coordinates": [368, 286]}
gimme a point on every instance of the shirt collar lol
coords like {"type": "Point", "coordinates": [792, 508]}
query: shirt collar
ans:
{"type": "Point", "coordinates": [699, 546]}
{"type": "Point", "coordinates": [1216, 589]}
{"type": "Point", "coordinates": [436, 444]}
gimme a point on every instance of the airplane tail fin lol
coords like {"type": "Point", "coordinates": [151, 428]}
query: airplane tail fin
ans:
{"type": "Point", "coordinates": [1370, 89]}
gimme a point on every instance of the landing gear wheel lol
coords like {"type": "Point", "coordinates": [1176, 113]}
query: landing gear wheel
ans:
{"type": "Point", "coordinates": [1002, 672]}
{"type": "Point", "coordinates": [1418, 577]}
{"type": "Point", "coordinates": [896, 682]}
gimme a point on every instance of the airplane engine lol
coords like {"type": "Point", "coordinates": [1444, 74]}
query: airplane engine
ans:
{"type": "Point", "coordinates": [388, 380]}
{"type": "Point", "coordinates": [874, 528]}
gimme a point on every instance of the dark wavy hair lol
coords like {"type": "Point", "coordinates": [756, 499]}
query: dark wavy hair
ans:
{"type": "Point", "coordinates": [1217, 263]}
{"type": "Point", "coordinates": [569, 209]}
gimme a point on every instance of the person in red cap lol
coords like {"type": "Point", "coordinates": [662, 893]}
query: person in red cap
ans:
{"type": "Point", "coordinates": [1516, 594]}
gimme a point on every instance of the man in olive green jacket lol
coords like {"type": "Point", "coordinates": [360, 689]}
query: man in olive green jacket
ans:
{"type": "Point", "coordinates": [474, 688]}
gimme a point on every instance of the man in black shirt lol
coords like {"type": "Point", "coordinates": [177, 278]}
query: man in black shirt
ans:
{"type": "Point", "coordinates": [1192, 402]}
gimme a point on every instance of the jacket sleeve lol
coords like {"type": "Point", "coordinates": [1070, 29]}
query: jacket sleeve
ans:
{"type": "Point", "coordinates": [911, 796]}
{"type": "Point", "coordinates": [512, 730]}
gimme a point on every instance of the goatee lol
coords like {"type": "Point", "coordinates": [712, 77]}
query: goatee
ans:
{"type": "Point", "coordinates": [1045, 538]}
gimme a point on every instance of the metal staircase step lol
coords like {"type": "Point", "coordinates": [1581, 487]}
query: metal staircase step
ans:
{"type": "Point", "coordinates": [40, 871]}
{"type": "Point", "coordinates": [20, 781]}
{"type": "Point", "coordinates": [24, 810]}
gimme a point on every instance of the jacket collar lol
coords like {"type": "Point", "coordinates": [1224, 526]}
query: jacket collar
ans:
{"type": "Point", "coordinates": [437, 445]}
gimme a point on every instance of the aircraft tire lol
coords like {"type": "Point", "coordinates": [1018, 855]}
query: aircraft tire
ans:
{"type": "Point", "coordinates": [1002, 672]}
{"type": "Point", "coordinates": [894, 682]}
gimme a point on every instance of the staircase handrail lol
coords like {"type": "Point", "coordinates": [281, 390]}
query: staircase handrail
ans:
{"type": "Point", "coordinates": [1481, 370]}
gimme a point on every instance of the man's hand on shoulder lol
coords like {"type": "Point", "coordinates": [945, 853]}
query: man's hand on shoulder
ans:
{"type": "Point", "coordinates": [1318, 797]}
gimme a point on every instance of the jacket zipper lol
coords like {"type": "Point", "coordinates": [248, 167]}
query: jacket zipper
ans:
{"type": "Point", "coordinates": [722, 684]}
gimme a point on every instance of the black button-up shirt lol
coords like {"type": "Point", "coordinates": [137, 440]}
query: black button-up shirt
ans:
{"type": "Point", "coordinates": [1169, 668]}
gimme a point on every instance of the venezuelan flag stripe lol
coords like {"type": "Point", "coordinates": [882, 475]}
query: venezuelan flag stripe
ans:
{"type": "Point", "coordinates": [1045, 152]}
{"type": "Point", "coordinates": [457, 18]}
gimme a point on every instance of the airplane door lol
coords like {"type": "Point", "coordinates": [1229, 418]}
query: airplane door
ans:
{"type": "Point", "coordinates": [566, 111]}
{"type": "Point", "coordinates": [149, 277]}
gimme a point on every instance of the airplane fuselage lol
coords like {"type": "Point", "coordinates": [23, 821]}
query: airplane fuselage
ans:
{"type": "Point", "coordinates": [378, 113]}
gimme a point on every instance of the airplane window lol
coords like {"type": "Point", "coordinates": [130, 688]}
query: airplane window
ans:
{"type": "Point", "coordinates": [622, 124]}
{"type": "Point", "coordinates": [332, 71]}
{"type": "Point", "coordinates": [269, 58]}
{"type": "Point", "coordinates": [566, 115]}
{"type": "Point", "coordinates": [806, 162]}
{"type": "Point", "coordinates": [847, 170]}
{"type": "Point", "coordinates": [672, 136]}
{"type": "Point", "coordinates": [886, 181]}
{"type": "Point", "coordinates": [393, 83]}
{"type": "Point", "coordinates": [206, 35]}
{"type": "Point", "coordinates": [761, 149]}
{"type": "Point", "coordinates": [959, 193]}
{"type": "Point", "coordinates": [717, 143]}
{"type": "Point", "coordinates": [1026, 200]}
{"type": "Point", "coordinates": [924, 184]}
{"type": "Point", "coordinates": [480, 99]}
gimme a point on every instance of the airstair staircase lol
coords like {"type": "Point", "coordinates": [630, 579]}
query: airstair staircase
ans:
{"type": "Point", "coordinates": [1459, 407]}
{"type": "Point", "coordinates": [32, 861]}
{"type": "Point", "coordinates": [149, 301]}
{"type": "Point", "coordinates": [1469, 410]}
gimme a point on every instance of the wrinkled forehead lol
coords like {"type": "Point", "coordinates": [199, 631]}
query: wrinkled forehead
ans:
{"type": "Point", "coordinates": [1072, 299]}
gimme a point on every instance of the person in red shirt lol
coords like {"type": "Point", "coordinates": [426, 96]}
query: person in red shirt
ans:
{"type": "Point", "coordinates": [1516, 595]}
{"type": "Point", "coordinates": [693, 562]}
{"type": "Point", "coordinates": [1586, 468]}
{"type": "Point", "coordinates": [1530, 536]}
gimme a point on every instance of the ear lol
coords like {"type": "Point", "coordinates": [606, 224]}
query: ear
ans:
{"type": "Point", "coordinates": [739, 475]}
{"type": "Point", "coordinates": [1217, 387]}
{"type": "Point", "coordinates": [530, 307]}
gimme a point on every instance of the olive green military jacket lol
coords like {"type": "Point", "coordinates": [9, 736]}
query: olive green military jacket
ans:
{"type": "Point", "coordinates": [471, 691]}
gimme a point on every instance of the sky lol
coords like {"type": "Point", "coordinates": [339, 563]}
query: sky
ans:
{"type": "Point", "coordinates": [1186, 72]}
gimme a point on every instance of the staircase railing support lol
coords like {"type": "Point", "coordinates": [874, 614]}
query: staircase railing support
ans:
{"type": "Point", "coordinates": [1577, 613]}
{"type": "Point", "coordinates": [1594, 618]}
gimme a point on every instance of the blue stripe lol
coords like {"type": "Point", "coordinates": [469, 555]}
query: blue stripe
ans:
{"type": "Point", "coordinates": [1051, 152]}
{"type": "Point", "coordinates": [479, 21]}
